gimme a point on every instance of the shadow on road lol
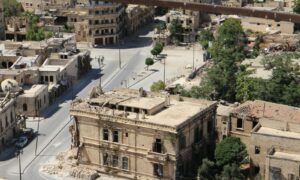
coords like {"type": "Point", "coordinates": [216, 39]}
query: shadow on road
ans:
{"type": "Point", "coordinates": [70, 93]}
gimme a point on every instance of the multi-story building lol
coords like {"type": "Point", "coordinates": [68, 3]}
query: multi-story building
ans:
{"type": "Point", "coordinates": [271, 134]}
{"type": "Point", "coordinates": [138, 16]}
{"type": "Point", "coordinates": [189, 20]}
{"type": "Point", "coordinates": [142, 135]}
{"type": "Point", "coordinates": [105, 22]}
{"type": "Point", "coordinates": [9, 126]}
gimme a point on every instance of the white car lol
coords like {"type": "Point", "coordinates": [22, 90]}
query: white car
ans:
{"type": "Point", "coordinates": [21, 142]}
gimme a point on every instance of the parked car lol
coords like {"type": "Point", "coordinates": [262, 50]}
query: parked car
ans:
{"type": "Point", "coordinates": [28, 132]}
{"type": "Point", "coordinates": [21, 142]}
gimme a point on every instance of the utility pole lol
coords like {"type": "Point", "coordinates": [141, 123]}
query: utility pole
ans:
{"type": "Point", "coordinates": [193, 56]}
{"type": "Point", "coordinates": [37, 137]}
{"type": "Point", "coordinates": [165, 70]}
{"type": "Point", "coordinates": [18, 153]}
{"type": "Point", "coordinates": [119, 42]}
{"type": "Point", "coordinates": [100, 62]}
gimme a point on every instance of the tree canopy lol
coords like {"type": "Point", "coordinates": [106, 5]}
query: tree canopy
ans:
{"type": "Point", "coordinates": [205, 37]}
{"type": "Point", "coordinates": [175, 29]}
{"type": "Point", "coordinates": [149, 62]}
{"type": "Point", "coordinates": [296, 7]}
{"type": "Point", "coordinates": [158, 86]}
{"type": "Point", "coordinates": [230, 151]}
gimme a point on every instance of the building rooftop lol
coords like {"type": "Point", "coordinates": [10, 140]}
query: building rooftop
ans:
{"type": "Point", "coordinates": [33, 91]}
{"type": "Point", "coordinates": [264, 109]}
{"type": "Point", "coordinates": [29, 61]}
{"type": "Point", "coordinates": [153, 108]}
{"type": "Point", "coordinates": [278, 133]}
{"type": "Point", "coordinates": [285, 155]}
{"type": "Point", "coordinates": [224, 110]}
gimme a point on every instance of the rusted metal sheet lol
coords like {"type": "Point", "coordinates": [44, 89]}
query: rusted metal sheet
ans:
{"type": "Point", "coordinates": [217, 9]}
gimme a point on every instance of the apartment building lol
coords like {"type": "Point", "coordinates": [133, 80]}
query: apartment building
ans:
{"type": "Point", "coordinates": [105, 22]}
{"type": "Point", "coordinates": [189, 20]}
{"type": "Point", "coordinates": [142, 135]}
{"type": "Point", "coordinates": [137, 17]}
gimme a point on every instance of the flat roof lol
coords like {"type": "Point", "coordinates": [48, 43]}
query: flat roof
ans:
{"type": "Point", "coordinates": [278, 133]}
{"type": "Point", "coordinates": [177, 113]}
{"type": "Point", "coordinates": [143, 103]}
{"type": "Point", "coordinates": [172, 115]}
{"type": "Point", "coordinates": [288, 156]}
{"type": "Point", "coordinates": [33, 91]}
{"type": "Point", "coordinates": [29, 61]}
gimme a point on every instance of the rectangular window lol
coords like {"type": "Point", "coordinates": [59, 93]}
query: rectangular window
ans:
{"type": "Point", "coordinates": [196, 135]}
{"type": "Point", "coordinates": [158, 170]}
{"type": "Point", "coordinates": [257, 149]}
{"type": "Point", "coordinates": [254, 123]}
{"type": "Point", "coordinates": [239, 123]}
{"type": "Point", "coordinates": [125, 163]}
{"type": "Point", "coordinates": [51, 78]}
{"type": "Point", "coordinates": [210, 126]}
{"type": "Point", "coordinates": [115, 161]}
{"type": "Point", "coordinates": [157, 146]}
{"type": "Point", "coordinates": [105, 134]}
{"type": "Point", "coordinates": [115, 136]}
{"type": "Point", "coordinates": [105, 159]}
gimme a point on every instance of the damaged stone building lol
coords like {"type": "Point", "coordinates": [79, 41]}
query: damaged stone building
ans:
{"type": "Point", "coordinates": [142, 135]}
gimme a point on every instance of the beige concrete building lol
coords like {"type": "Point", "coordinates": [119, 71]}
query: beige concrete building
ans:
{"type": "Point", "coordinates": [189, 20]}
{"type": "Point", "coordinates": [105, 22]}
{"type": "Point", "coordinates": [9, 125]}
{"type": "Point", "coordinates": [271, 133]}
{"type": "Point", "coordinates": [138, 16]}
{"type": "Point", "coordinates": [33, 100]}
{"type": "Point", "coordinates": [16, 28]}
{"type": "Point", "coordinates": [266, 25]}
{"type": "Point", "coordinates": [41, 6]}
{"type": "Point", "coordinates": [141, 135]}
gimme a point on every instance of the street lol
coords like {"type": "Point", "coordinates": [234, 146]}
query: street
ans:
{"type": "Point", "coordinates": [54, 134]}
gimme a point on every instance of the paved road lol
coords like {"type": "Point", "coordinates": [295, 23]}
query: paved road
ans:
{"type": "Point", "coordinates": [53, 135]}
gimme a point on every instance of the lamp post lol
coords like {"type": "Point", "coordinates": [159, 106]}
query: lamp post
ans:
{"type": "Point", "coordinates": [18, 153]}
{"type": "Point", "coordinates": [37, 137]}
{"type": "Point", "coordinates": [119, 47]}
{"type": "Point", "coordinates": [100, 62]}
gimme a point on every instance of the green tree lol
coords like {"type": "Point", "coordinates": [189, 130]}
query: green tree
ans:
{"type": "Point", "coordinates": [231, 172]}
{"type": "Point", "coordinates": [34, 32]}
{"type": "Point", "coordinates": [176, 29]}
{"type": "Point", "coordinates": [158, 86]}
{"type": "Point", "coordinates": [230, 150]}
{"type": "Point", "coordinates": [205, 37]}
{"type": "Point", "coordinates": [149, 62]}
{"type": "Point", "coordinates": [154, 52]}
{"type": "Point", "coordinates": [296, 7]}
{"type": "Point", "coordinates": [12, 8]}
{"type": "Point", "coordinates": [207, 170]}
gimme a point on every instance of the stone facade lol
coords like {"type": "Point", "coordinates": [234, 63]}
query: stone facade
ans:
{"type": "Point", "coordinates": [9, 126]}
{"type": "Point", "coordinates": [266, 25]}
{"type": "Point", "coordinates": [137, 17]}
{"type": "Point", "coordinates": [141, 135]}
{"type": "Point", "coordinates": [271, 134]}
{"type": "Point", "coordinates": [105, 22]}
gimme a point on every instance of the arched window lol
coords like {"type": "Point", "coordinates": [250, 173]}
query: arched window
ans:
{"type": "Point", "coordinates": [24, 107]}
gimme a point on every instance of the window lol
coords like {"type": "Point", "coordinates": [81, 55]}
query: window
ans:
{"type": "Point", "coordinates": [157, 146]}
{"type": "Point", "coordinates": [46, 78]}
{"type": "Point", "coordinates": [42, 78]}
{"type": "Point", "coordinates": [115, 136]}
{"type": "Point", "coordinates": [6, 121]}
{"type": "Point", "coordinates": [24, 107]}
{"type": "Point", "coordinates": [239, 123]}
{"type": "Point", "coordinates": [158, 170]}
{"type": "Point", "coordinates": [126, 134]}
{"type": "Point", "coordinates": [125, 163]}
{"type": "Point", "coordinates": [11, 117]}
{"type": "Point", "coordinates": [115, 161]}
{"type": "Point", "coordinates": [256, 149]}
{"type": "Point", "coordinates": [51, 78]}
{"type": "Point", "coordinates": [181, 141]}
{"type": "Point", "coordinates": [209, 126]}
{"type": "Point", "coordinates": [196, 135]}
{"type": "Point", "coordinates": [105, 134]}
{"type": "Point", "coordinates": [254, 123]}
{"type": "Point", "coordinates": [105, 159]}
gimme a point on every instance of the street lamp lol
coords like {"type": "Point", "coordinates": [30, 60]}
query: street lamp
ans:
{"type": "Point", "coordinates": [119, 46]}
{"type": "Point", "coordinates": [100, 62]}
{"type": "Point", "coordinates": [37, 137]}
{"type": "Point", "coordinates": [18, 153]}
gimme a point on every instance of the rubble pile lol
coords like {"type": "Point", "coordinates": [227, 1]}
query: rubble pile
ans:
{"type": "Point", "coordinates": [281, 42]}
{"type": "Point", "coordinates": [65, 165]}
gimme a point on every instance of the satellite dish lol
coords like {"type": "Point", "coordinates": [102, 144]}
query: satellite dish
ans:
{"type": "Point", "coordinates": [10, 85]}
